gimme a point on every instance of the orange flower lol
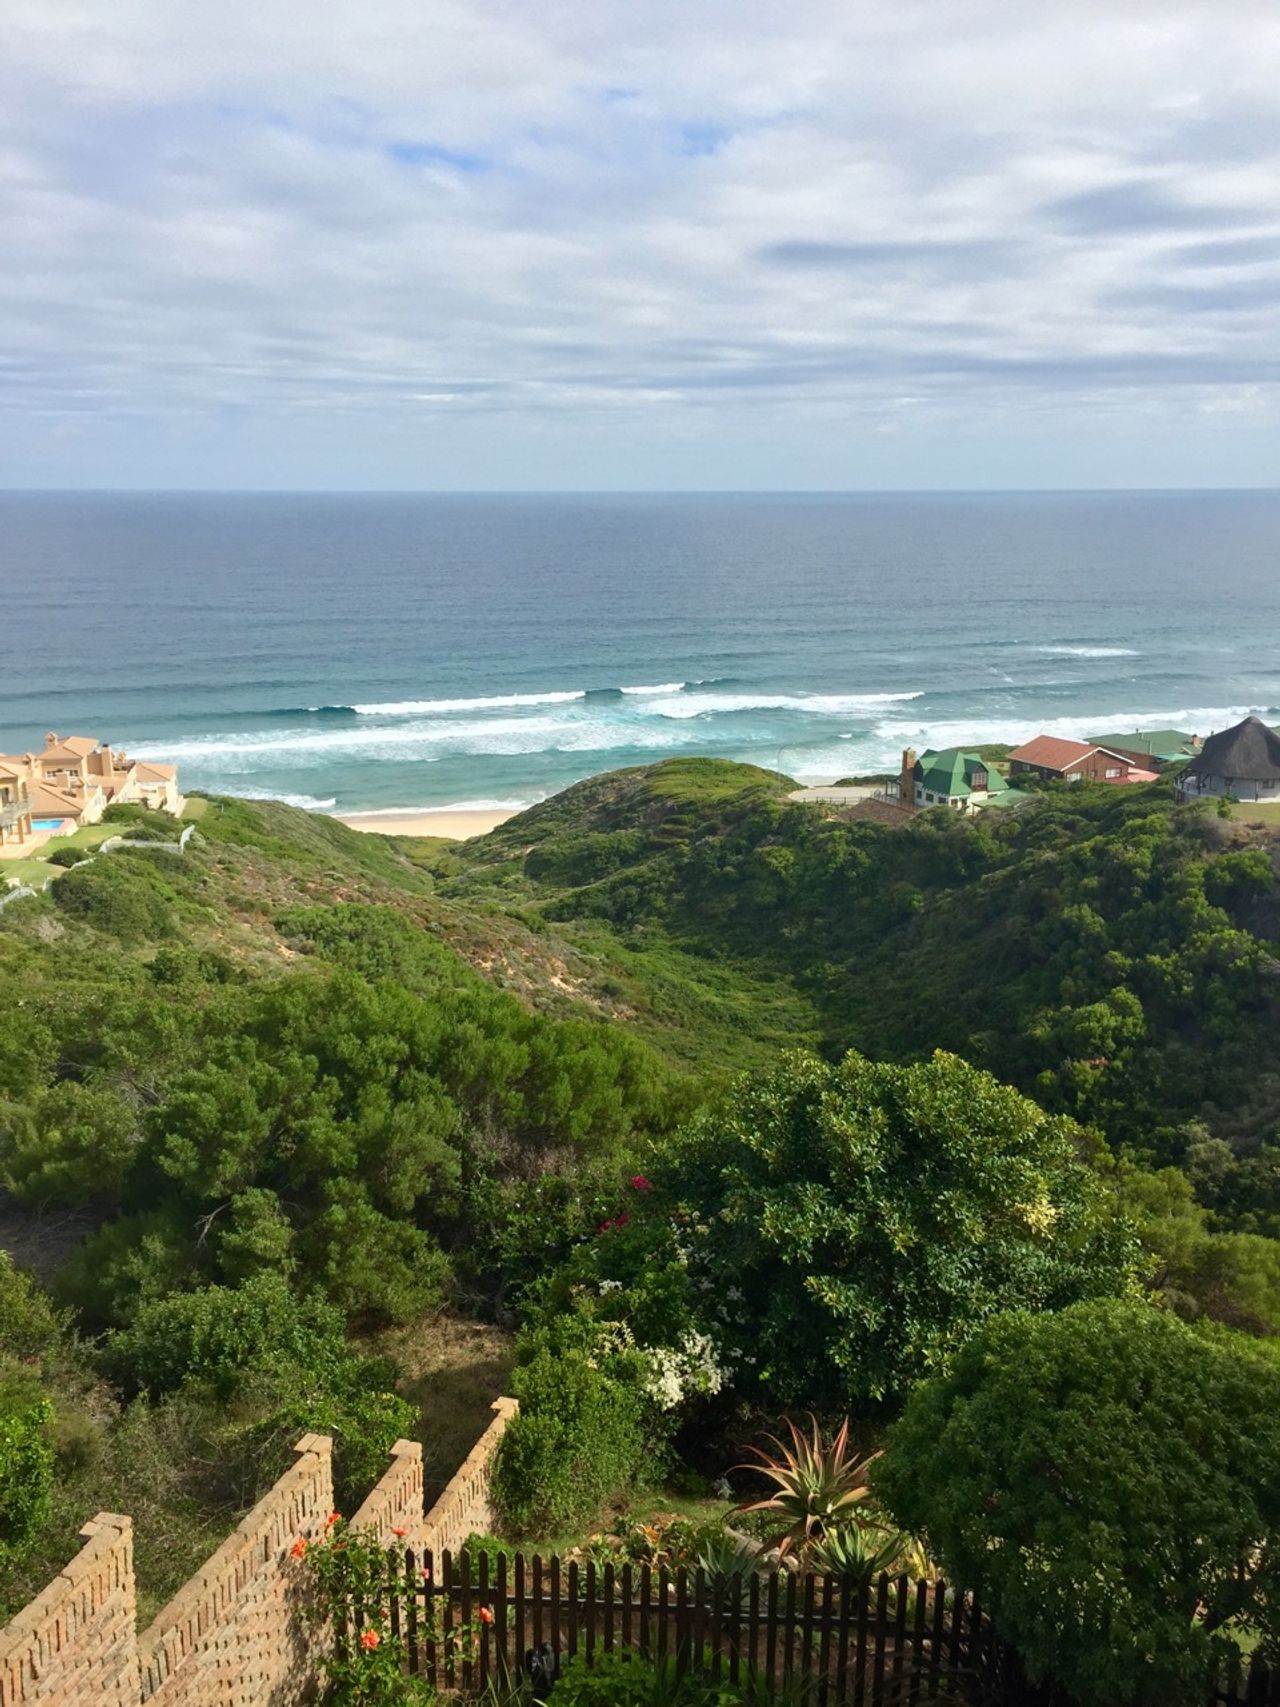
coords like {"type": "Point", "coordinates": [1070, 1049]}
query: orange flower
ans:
{"type": "Point", "coordinates": [299, 1547]}
{"type": "Point", "coordinates": [370, 1639]}
{"type": "Point", "coordinates": [333, 1517]}
{"type": "Point", "coordinates": [486, 1615]}
{"type": "Point", "coordinates": [399, 1534]}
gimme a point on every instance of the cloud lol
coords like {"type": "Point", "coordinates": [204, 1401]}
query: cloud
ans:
{"type": "Point", "coordinates": [1142, 206]}
{"type": "Point", "coordinates": [560, 217]}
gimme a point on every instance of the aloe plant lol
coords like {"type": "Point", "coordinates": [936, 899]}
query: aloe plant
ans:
{"type": "Point", "coordinates": [819, 1485]}
{"type": "Point", "coordinates": [858, 1551]}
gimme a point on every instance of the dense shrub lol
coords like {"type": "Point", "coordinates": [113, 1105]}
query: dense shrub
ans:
{"type": "Point", "coordinates": [578, 1441]}
{"type": "Point", "coordinates": [288, 1360]}
{"type": "Point", "coordinates": [118, 896]}
{"type": "Point", "coordinates": [26, 1458]}
{"type": "Point", "coordinates": [73, 1144]}
{"type": "Point", "coordinates": [831, 1234]}
{"type": "Point", "coordinates": [1109, 1480]}
{"type": "Point", "coordinates": [28, 1324]}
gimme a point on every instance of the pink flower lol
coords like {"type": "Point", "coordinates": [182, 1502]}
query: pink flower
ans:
{"type": "Point", "coordinates": [621, 1220]}
{"type": "Point", "coordinates": [370, 1639]}
{"type": "Point", "coordinates": [640, 1183]}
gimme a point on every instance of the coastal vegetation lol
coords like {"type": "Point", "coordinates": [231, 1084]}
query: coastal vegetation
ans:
{"type": "Point", "coordinates": [731, 1109]}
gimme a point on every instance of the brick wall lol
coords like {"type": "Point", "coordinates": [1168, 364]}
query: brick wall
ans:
{"type": "Point", "coordinates": [234, 1636]}
{"type": "Point", "coordinates": [395, 1502]}
{"type": "Point", "coordinates": [76, 1642]}
{"type": "Point", "coordinates": [464, 1507]}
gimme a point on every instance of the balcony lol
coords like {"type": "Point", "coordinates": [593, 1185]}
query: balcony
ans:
{"type": "Point", "coordinates": [10, 813]}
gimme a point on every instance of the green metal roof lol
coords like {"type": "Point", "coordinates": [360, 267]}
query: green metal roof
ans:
{"type": "Point", "coordinates": [1164, 744]}
{"type": "Point", "coordinates": [950, 773]}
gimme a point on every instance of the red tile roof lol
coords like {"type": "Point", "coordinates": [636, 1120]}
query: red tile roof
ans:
{"type": "Point", "coordinates": [1052, 752]}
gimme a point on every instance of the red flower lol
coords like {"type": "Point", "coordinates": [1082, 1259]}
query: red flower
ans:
{"type": "Point", "coordinates": [370, 1639]}
{"type": "Point", "coordinates": [333, 1517]}
{"type": "Point", "coordinates": [299, 1547]}
{"type": "Point", "coordinates": [486, 1615]}
{"type": "Point", "coordinates": [621, 1220]}
{"type": "Point", "coordinates": [640, 1183]}
{"type": "Point", "coordinates": [399, 1534]}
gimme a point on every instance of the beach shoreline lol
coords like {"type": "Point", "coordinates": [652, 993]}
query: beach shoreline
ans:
{"type": "Point", "coordinates": [450, 823]}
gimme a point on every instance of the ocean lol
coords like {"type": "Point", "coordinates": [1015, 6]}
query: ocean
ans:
{"type": "Point", "coordinates": [351, 652]}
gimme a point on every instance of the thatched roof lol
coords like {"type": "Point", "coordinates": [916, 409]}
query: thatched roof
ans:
{"type": "Point", "coordinates": [1250, 752]}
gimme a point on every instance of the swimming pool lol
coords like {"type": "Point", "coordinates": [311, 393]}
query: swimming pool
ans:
{"type": "Point", "coordinates": [47, 823]}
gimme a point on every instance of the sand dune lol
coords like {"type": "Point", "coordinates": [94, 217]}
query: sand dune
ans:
{"type": "Point", "coordinates": [455, 826]}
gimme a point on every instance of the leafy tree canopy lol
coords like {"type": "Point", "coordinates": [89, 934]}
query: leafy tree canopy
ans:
{"type": "Point", "coordinates": [1110, 1481]}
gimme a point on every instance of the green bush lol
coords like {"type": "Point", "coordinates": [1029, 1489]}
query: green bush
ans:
{"type": "Point", "coordinates": [1109, 1480]}
{"type": "Point", "coordinates": [73, 1145]}
{"type": "Point", "coordinates": [121, 897]}
{"type": "Point", "coordinates": [68, 856]}
{"type": "Point", "coordinates": [220, 1337]}
{"type": "Point", "coordinates": [827, 1235]}
{"type": "Point", "coordinates": [626, 1679]}
{"type": "Point", "coordinates": [577, 1443]}
{"type": "Point", "coordinates": [283, 1360]}
{"type": "Point", "coordinates": [26, 1458]}
{"type": "Point", "coordinates": [28, 1324]}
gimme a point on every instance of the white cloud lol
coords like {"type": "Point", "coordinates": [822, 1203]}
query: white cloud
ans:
{"type": "Point", "coordinates": [703, 216]}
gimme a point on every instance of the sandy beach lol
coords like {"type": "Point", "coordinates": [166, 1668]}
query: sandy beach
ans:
{"type": "Point", "coordinates": [454, 826]}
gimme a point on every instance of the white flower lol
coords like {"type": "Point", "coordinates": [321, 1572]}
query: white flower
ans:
{"type": "Point", "coordinates": [610, 1286]}
{"type": "Point", "coordinates": [677, 1371]}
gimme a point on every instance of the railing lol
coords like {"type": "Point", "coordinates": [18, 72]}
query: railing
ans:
{"type": "Point", "coordinates": [9, 814]}
{"type": "Point", "coordinates": [466, 1624]}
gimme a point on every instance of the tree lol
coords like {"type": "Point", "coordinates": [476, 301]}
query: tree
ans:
{"type": "Point", "coordinates": [1109, 1481]}
{"type": "Point", "coordinates": [850, 1226]}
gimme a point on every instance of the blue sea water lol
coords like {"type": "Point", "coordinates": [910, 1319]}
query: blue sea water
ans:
{"type": "Point", "coordinates": [373, 652]}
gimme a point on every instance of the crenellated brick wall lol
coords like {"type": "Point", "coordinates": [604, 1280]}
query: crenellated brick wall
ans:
{"type": "Point", "coordinates": [234, 1636]}
{"type": "Point", "coordinates": [465, 1507]}
{"type": "Point", "coordinates": [396, 1501]}
{"type": "Point", "coordinates": [75, 1643]}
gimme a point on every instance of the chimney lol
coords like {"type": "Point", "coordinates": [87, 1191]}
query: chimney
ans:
{"type": "Point", "coordinates": [907, 780]}
{"type": "Point", "coordinates": [51, 740]}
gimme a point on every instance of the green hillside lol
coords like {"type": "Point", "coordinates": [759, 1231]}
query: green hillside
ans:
{"type": "Point", "coordinates": [307, 1095]}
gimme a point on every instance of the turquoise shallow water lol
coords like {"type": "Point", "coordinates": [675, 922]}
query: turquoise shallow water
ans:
{"type": "Point", "coordinates": [365, 652]}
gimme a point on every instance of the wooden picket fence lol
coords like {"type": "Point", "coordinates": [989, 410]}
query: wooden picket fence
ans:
{"type": "Point", "coordinates": [468, 1623]}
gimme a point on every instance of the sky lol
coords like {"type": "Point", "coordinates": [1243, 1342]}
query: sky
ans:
{"type": "Point", "coordinates": [674, 244]}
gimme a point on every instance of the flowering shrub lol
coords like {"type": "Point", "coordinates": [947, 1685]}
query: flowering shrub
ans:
{"type": "Point", "coordinates": [351, 1579]}
{"type": "Point", "coordinates": [354, 1581]}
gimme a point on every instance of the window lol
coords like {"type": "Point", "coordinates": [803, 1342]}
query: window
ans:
{"type": "Point", "coordinates": [1114, 770]}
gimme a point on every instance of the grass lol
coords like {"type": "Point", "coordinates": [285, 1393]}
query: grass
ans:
{"type": "Point", "coordinates": [35, 869]}
{"type": "Point", "coordinates": [1256, 812]}
{"type": "Point", "coordinates": [452, 1369]}
{"type": "Point", "coordinates": [642, 1506]}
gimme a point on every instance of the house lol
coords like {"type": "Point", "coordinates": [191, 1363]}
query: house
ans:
{"type": "Point", "coordinates": [1151, 749]}
{"type": "Point", "coordinates": [78, 778]}
{"type": "Point", "coordinates": [15, 802]}
{"type": "Point", "coordinates": [950, 777]}
{"type": "Point", "coordinates": [1050, 757]}
{"type": "Point", "coordinates": [1243, 761]}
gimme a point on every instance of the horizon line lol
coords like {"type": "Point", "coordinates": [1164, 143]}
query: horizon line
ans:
{"type": "Point", "coordinates": [620, 491]}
